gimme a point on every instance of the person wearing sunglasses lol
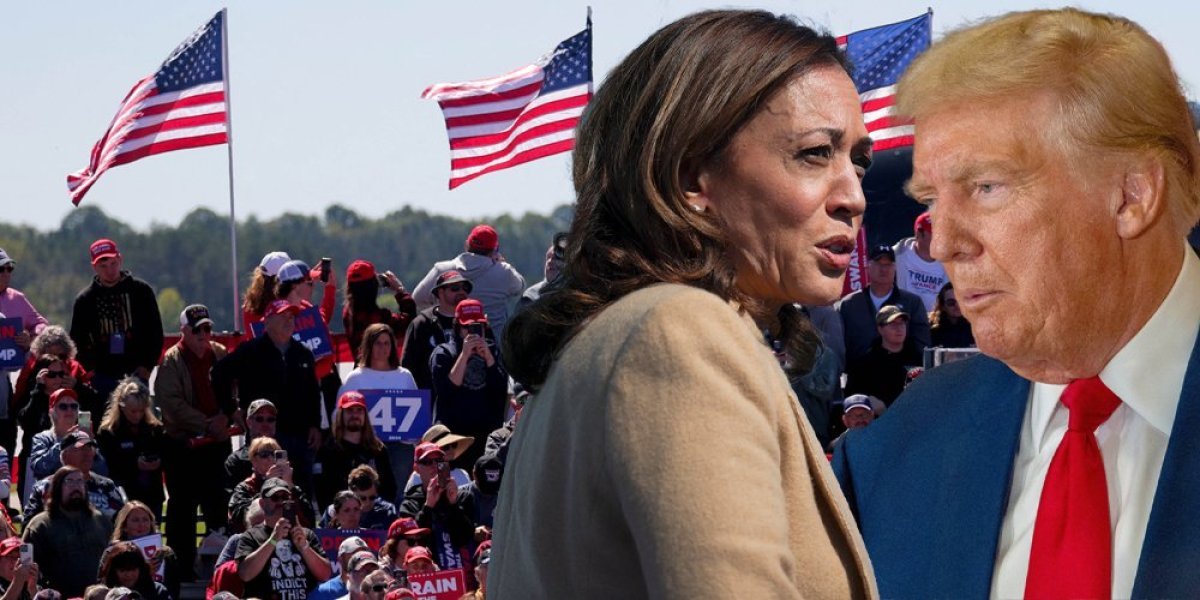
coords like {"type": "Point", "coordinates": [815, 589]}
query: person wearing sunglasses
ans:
{"type": "Point", "coordinates": [44, 457]}
{"type": "Point", "coordinates": [78, 450]}
{"type": "Point", "coordinates": [556, 256]}
{"type": "Point", "coordinates": [375, 512]}
{"type": "Point", "coordinates": [433, 326]}
{"type": "Point", "coordinates": [269, 461]}
{"type": "Point", "coordinates": [261, 418]}
{"type": "Point", "coordinates": [434, 503]}
{"type": "Point", "coordinates": [48, 373]}
{"type": "Point", "coordinates": [402, 534]}
{"type": "Point", "coordinates": [282, 558]}
{"type": "Point", "coordinates": [183, 391]}
{"type": "Point", "coordinates": [375, 585]}
{"type": "Point", "coordinates": [947, 325]}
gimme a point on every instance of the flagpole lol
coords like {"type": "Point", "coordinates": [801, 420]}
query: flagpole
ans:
{"type": "Point", "coordinates": [233, 264]}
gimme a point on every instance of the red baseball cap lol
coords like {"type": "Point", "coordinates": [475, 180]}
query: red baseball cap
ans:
{"type": "Point", "coordinates": [923, 223]}
{"type": "Point", "coordinates": [470, 311]}
{"type": "Point", "coordinates": [360, 270]}
{"type": "Point", "coordinates": [483, 239]}
{"type": "Point", "coordinates": [9, 545]}
{"type": "Point", "coordinates": [417, 553]}
{"type": "Point", "coordinates": [103, 248]}
{"type": "Point", "coordinates": [61, 393]}
{"type": "Point", "coordinates": [426, 449]}
{"type": "Point", "coordinates": [406, 526]}
{"type": "Point", "coordinates": [278, 307]}
{"type": "Point", "coordinates": [352, 398]}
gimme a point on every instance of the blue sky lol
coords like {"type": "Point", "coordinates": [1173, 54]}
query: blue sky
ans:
{"type": "Point", "coordinates": [325, 96]}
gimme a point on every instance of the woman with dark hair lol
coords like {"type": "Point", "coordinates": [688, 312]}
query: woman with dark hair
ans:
{"type": "Point", "coordinates": [124, 565]}
{"type": "Point", "coordinates": [361, 307]}
{"type": "Point", "coordinates": [948, 328]}
{"type": "Point", "coordinates": [378, 368]}
{"type": "Point", "coordinates": [718, 183]}
{"type": "Point", "coordinates": [131, 439]}
{"type": "Point", "coordinates": [344, 513]}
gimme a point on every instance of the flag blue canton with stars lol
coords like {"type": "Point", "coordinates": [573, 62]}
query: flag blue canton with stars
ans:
{"type": "Point", "coordinates": [881, 54]}
{"type": "Point", "coordinates": [571, 64]}
{"type": "Point", "coordinates": [199, 59]}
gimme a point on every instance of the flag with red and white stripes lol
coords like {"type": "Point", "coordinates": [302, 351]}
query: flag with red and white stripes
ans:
{"type": "Point", "coordinates": [180, 106]}
{"type": "Point", "coordinates": [880, 55]}
{"type": "Point", "coordinates": [524, 115]}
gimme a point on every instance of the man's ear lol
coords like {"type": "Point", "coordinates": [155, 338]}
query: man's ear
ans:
{"type": "Point", "coordinates": [1143, 198]}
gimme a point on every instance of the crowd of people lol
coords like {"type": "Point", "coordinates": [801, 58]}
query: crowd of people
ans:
{"type": "Point", "coordinates": [292, 442]}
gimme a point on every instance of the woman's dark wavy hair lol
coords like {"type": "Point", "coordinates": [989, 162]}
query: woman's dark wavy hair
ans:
{"type": "Point", "coordinates": [669, 109]}
{"type": "Point", "coordinates": [938, 316]}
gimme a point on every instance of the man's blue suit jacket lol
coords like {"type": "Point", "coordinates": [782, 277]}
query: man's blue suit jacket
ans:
{"type": "Point", "coordinates": [929, 484]}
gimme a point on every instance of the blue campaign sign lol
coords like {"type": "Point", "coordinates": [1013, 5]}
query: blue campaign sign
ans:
{"type": "Point", "coordinates": [399, 415]}
{"type": "Point", "coordinates": [11, 355]}
{"type": "Point", "coordinates": [311, 331]}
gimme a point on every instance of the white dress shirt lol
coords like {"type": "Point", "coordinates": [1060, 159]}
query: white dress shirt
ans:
{"type": "Point", "coordinates": [1147, 374]}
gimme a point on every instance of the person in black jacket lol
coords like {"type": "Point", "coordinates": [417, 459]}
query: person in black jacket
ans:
{"type": "Point", "coordinates": [131, 439]}
{"type": "Point", "coordinates": [278, 368]}
{"type": "Point", "coordinates": [433, 326]}
{"type": "Point", "coordinates": [470, 384]}
{"type": "Point", "coordinates": [115, 322]}
{"type": "Point", "coordinates": [434, 503]}
{"type": "Point", "coordinates": [883, 371]}
{"type": "Point", "coordinates": [353, 443]}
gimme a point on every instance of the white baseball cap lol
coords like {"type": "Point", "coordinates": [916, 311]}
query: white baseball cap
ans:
{"type": "Point", "coordinates": [272, 261]}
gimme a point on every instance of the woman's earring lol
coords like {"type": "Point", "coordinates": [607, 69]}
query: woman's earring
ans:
{"type": "Point", "coordinates": [697, 208]}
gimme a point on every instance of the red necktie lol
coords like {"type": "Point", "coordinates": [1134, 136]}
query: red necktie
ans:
{"type": "Point", "coordinates": [1072, 537]}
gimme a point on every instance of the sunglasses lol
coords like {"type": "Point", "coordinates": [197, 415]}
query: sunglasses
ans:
{"type": "Point", "coordinates": [64, 406]}
{"type": "Point", "coordinates": [379, 588]}
{"type": "Point", "coordinates": [413, 540]}
{"type": "Point", "coordinates": [7, 269]}
{"type": "Point", "coordinates": [455, 287]}
{"type": "Point", "coordinates": [55, 374]}
{"type": "Point", "coordinates": [263, 419]}
{"type": "Point", "coordinates": [265, 454]}
{"type": "Point", "coordinates": [950, 302]}
{"type": "Point", "coordinates": [430, 461]}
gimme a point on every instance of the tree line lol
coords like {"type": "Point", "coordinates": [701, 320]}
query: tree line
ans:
{"type": "Point", "coordinates": [190, 263]}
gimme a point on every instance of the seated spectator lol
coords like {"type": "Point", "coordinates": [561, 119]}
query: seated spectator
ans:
{"type": "Point", "coordinates": [497, 441]}
{"type": "Point", "coordinates": [261, 417]}
{"type": "Point", "coordinates": [453, 445]}
{"type": "Point", "coordinates": [434, 503]}
{"type": "Point", "coordinates": [361, 565]}
{"type": "Point", "coordinates": [478, 498]}
{"type": "Point", "coordinates": [267, 463]}
{"type": "Point", "coordinates": [481, 569]}
{"type": "Point", "coordinates": [344, 513]}
{"type": "Point", "coordinates": [17, 580]}
{"type": "Point", "coordinates": [337, 587]}
{"type": "Point", "coordinates": [78, 450]}
{"type": "Point", "coordinates": [136, 520]}
{"type": "Point", "coordinates": [64, 418]}
{"type": "Point", "coordinates": [947, 325]}
{"type": "Point", "coordinates": [352, 443]}
{"type": "Point", "coordinates": [70, 536]}
{"type": "Point", "coordinates": [54, 341]}
{"type": "Point", "coordinates": [132, 441]}
{"type": "Point", "coordinates": [225, 577]}
{"type": "Point", "coordinates": [280, 559]}
{"type": "Point", "coordinates": [857, 411]}
{"type": "Point", "coordinates": [470, 383]}
{"type": "Point", "coordinates": [96, 592]}
{"type": "Point", "coordinates": [375, 585]}
{"type": "Point", "coordinates": [418, 561]}
{"type": "Point", "coordinates": [49, 373]}
{"type": "Point", "coordinates": [403, 533]}
{"type": "Point", "coordinates": [124, 565]}
{"type": "Point", "coordinates": [361, 307]}
{"type": "Point", "coordinates": [376, 512]}
{"type": "Point", "coordinates": [883, 370]}
{"type": "Point", "coordinates": [378, 368]}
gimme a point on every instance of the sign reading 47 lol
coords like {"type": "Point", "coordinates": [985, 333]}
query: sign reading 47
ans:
{"type": "Point", "coordinates": [399, 414]}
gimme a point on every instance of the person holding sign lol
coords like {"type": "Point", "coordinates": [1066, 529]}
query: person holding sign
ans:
{"type": "Point", "coordinates": [278, 368]}
{"type": "Point", "coordinates": [718, 178]}
{"type": "Point", "coordinates": [296, 285]}
{"type": "Point", "coordinates": [470, 384]}
{"type": "Point", "coordinates": [14, 304]}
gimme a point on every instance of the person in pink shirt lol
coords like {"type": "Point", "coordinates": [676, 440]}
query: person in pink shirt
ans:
{"type": "Point", "coordinates": [14, 304]}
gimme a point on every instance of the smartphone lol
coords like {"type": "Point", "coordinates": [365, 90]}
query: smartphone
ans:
{"type": "Point", "coordinates": [26, 555]}
{"type": "Point", "coordinates": [475, 328]}
{"type": "Point", "coordinates": [443, 469]}
{"type": "Point", "coordinates": [289, 512]}
{"type": "Point", "coordinates": [85, 420]}
{"type": "Point", "coordinates": [383, 282]}
{"type": "Point", "coordinates": [326, 266]}
{"type": "Point", "coordinates": [280, 457]}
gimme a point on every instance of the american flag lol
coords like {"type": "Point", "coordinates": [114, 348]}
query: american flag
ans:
{"type": "Point", "coordinates": [880, 55]}
{"type": "Point", "coordinates": [527, 114]}
{"type": "Point", "coordinates": [180, 106]}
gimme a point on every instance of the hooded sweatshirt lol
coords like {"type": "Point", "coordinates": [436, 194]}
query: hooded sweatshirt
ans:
{"type": "Point", "coordinates": [495, 283]}
{"type": "Point", "coordinates": [118, 328]}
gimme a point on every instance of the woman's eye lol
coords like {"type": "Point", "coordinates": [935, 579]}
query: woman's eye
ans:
{"type": "Point", "coordinates": [822, 152]}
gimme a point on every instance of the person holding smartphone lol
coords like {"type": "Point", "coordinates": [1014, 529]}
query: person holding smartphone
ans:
{"type": "Point", "coordinates": [132, 439]}
{"type": "Point", "coordinates": [470, 385]}
{"type": "Point", "coordinates": [18, 572]}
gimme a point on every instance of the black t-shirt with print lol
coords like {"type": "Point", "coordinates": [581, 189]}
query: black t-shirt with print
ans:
{"type": "Point", "coordinates": [285, 577]}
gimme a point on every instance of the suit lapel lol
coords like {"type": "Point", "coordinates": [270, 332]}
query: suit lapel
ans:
{"type": "Point", "coordinates": [1172, 544]}
{"type": "Point", "coordinates": [977, 471]}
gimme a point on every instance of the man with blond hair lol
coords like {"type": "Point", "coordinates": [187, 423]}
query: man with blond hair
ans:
{"type": "Point", "coordinates": [1057, 155]}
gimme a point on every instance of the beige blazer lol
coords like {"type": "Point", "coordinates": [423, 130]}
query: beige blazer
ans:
{"type": "Point", "coordinates": [667, 457]}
